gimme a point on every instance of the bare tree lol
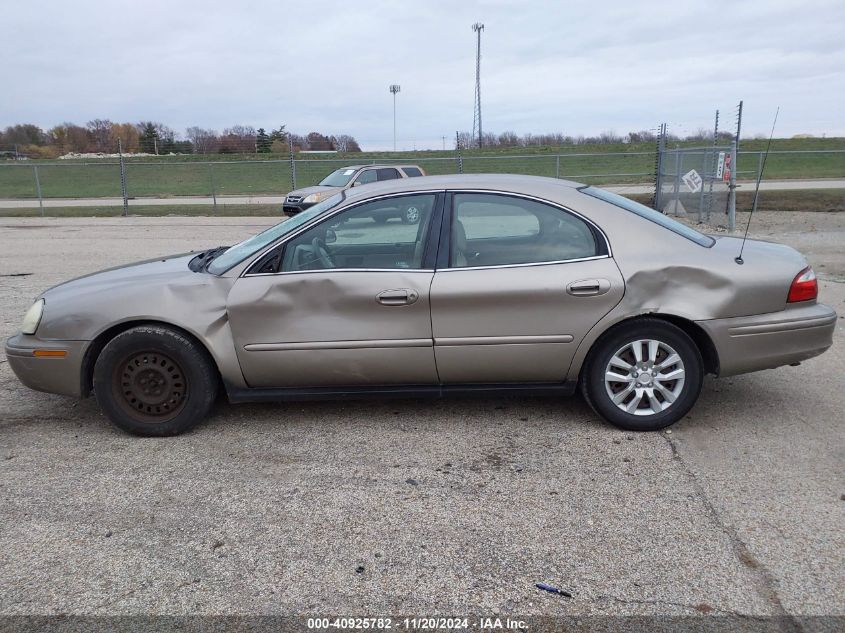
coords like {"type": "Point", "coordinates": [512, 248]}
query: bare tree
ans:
{"type": "Point", "coordinates": [300, 143]}
{"type": "Point", "coordinates": [25, 134]}
{"type": "Point", "coordinates": [319, 142]}
{"type": "Point", "coordinates": [204, 141]}
{"type": "Point", "coordinates": [345, 143]}
{"type": "Point", "coordinates": [642, 136]}
{"type": "Point", "coordinates": [68, 137]}
{"type": "Point", "coordinates": [238, 139]}
{"type": "Point", "coordinates": [99, 130]}
{"type": "Point", "coordinates": [508, 139]}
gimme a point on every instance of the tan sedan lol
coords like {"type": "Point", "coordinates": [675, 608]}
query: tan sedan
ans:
{"type": "Point", "coordinates": [504, 284]}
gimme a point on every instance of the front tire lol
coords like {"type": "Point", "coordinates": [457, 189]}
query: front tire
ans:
{"type": "Point", "coordinates": [644, 375]}
{"type": "Point", "coordinates": [154, 381]}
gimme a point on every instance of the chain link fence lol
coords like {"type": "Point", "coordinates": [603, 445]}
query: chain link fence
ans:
{"type": "Point", "coordinates": [233, 186]}
{"type": "Point", "coordinates": [694, 181]}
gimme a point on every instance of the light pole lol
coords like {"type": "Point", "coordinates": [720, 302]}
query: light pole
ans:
{"type": "Point", "coordinates": [394, 88]}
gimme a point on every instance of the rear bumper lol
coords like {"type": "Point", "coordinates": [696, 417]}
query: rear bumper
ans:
{"type": "Point", "coordinates": [62, 375]}
{"type": "Point", "coordinates": [764, 341]}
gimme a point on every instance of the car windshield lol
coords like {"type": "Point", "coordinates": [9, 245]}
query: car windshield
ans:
{"type": "Point", "coordinates": [339, 178]}
{"type": "Point", "coordinates": [650, 214]}
{"type": "Point", "coordinates": [239, 252]}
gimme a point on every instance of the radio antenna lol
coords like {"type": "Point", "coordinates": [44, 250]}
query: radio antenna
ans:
{"type": "Point", "coordinates": [738, 259]}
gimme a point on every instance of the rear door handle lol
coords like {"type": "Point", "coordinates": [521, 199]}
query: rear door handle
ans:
{"type": "Point", "coordinates": [397, 297]}
{"type": "Point", "coordinates": [588, 287]}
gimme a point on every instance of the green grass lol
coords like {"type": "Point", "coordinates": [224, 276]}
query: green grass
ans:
{"type": "Point", "coordinates": [820, 200]}
{"type": "Point", "coordinates": [268, 174]}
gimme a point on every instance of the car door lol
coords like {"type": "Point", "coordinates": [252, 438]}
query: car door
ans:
{"type": "Point", "coordinates": [346, 303]}
{"type": "Point", "coordinates": [522, 284]}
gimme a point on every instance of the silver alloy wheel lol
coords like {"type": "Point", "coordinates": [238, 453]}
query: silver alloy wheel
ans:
{"type": "Point", "coordinates": [644, 377]}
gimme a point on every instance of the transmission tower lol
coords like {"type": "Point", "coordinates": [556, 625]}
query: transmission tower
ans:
{"type": "Point", "coordinates": [476, 112]}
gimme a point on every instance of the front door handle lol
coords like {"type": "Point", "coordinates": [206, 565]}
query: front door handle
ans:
{"type": "Point", "coordinates": [588, 287]}
{"type": "Point", "coordinates": [397, 297]}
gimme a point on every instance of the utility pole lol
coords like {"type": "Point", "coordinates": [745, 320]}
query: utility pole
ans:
{"type": "Point", "coordinates": [123, 179]}
{"type": "Point", "coordinates": [476, 114]}
{"type": "Point", "coordinates": [394, 88]}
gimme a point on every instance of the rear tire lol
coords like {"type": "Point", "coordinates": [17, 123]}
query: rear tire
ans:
{"type": "Point", "coordinates": [643, 376]}
{"type": "Point", "coordinates": [155, 381]}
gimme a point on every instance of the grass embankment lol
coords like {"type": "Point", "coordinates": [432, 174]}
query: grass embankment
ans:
{"type": "Point", "coordinates": [267, 174]}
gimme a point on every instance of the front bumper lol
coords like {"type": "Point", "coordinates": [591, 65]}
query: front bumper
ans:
{"type": "Point", "coordinates": [289, 208]}
{"type": "Point", "coordinates": [765, 341]}
{"type": "Point", "coordinates": [62, 375]}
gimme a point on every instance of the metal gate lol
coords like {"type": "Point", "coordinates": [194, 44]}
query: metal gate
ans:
{"type": "Point", "coordinates": [697, 182]}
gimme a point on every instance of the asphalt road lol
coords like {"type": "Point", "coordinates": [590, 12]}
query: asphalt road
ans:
{"type": "Point", "coordinates": [770, 185]}
{"type": "Point", "coordinates": [418, 507]}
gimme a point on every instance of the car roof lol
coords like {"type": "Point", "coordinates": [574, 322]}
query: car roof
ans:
{"type": "Point", "coordinates": [550, 188]}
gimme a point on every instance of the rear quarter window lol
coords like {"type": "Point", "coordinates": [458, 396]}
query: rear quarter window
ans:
{"type": "Point", "coordinates": [650, 214]}
{"type": "Point", "coordinates": [387, 173]}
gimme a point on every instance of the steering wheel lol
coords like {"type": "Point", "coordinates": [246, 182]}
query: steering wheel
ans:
{"type": "Point", "coordinates": [319, 248]}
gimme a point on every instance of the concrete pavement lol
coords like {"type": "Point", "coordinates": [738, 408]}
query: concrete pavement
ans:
{"type": "Point", "coordinates": [412, 506]}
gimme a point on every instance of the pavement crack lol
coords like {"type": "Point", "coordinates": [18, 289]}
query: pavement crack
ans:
{"type": "Point", "coordinates": [765, 581]}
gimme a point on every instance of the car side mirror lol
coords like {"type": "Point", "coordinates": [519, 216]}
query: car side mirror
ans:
{"type": "Point", "coordinates": [356, 184]}
{"type": "Point", "coordinates": [331, 236]}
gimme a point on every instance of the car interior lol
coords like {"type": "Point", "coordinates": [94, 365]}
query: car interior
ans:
{"type": "Point", "coordinates": [495, 230]}
{"type": "Point", "coordinates": [487, 230]}
{"type": "Point", "coordinates": [354, 240]}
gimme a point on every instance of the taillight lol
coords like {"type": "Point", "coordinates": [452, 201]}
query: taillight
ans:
{"type": "Point", "coordinates": [804, 287]}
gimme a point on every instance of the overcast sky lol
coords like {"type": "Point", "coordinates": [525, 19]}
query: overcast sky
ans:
{"type": "Point", "coordinates": [573, 67]}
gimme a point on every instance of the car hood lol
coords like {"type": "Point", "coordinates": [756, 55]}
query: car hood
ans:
{"type": "Point", "coordinates": [161, 289]}
{"type": "Point", "coordinates": [158, 269]}
{"type": "Point", "coordinates": [315, 189]}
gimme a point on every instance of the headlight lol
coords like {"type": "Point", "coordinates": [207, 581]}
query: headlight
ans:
{"type": "Point", "coordinates": [316, 197]}
{"type": "Point", "coordinates": [33, 317]}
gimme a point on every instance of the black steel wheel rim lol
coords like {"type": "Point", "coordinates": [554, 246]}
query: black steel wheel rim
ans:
{"type": "Point", "coordinates": [150, 386]}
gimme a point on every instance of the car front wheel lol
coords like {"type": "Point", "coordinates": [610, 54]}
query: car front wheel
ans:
{"type": "Point", "coordinates": [644, 375]}
{"type": "Point", "coordinates": [154, 381]}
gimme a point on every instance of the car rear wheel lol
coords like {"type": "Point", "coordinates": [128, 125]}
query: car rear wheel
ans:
{"type": "Point", "coordinates": [154, 381]}
{"type": "Point", "coordinates": [644, 375]}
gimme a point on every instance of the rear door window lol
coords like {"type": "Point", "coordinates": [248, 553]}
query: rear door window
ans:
{"type": "Point", "coordinates": [500, 230]}
{"type": "Point", "coordinates": [412, 172]}
{"type": "Point", "coordinates": [387, 173]}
